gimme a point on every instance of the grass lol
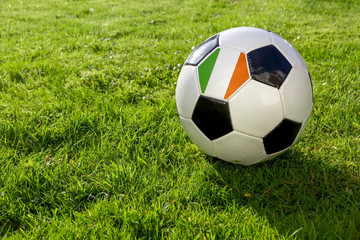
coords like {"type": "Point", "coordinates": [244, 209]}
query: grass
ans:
{"type": "Point", "coordinates": [91, 145]}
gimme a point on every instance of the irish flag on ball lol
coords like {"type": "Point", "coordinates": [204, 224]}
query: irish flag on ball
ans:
{"type": "Point", "coordinates": [218, 62]}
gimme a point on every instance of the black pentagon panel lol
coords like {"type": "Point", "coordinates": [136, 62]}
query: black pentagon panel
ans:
{"type": "Point", "coordinates": [203, 50]}
{"type": "Point", "coordinates": [282, 136]}
{"type": "Point", "coordinates": [268, 65]}
{"type": "Point", "coordinates": [212, 117]}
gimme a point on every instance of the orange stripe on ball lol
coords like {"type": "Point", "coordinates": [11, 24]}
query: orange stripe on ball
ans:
{"type": "Point", "coordinates": [239, 77]}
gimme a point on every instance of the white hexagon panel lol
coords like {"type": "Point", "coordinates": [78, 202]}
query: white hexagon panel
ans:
{"type": "Point", "coordinates": [256, 109]}
{"type": "Point", "coordinates": [297, 86]}
{"type": "Point", "coordinates": [230, 63]}
{"type": "Point", "coordinates": [187, 91]}
{"type": "Point", "coordinates": [303, 125]}
{"type": "Point", "coordinates": [227, 148]}
{"type": "Point", "coordinates": [245, 38]}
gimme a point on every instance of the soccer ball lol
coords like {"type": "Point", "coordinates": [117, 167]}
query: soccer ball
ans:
{"type": "Point", "coordinates": [244, 95]}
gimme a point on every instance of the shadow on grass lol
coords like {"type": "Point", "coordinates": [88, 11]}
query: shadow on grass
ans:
{"type": "Point", "coordinates": [298, 193]}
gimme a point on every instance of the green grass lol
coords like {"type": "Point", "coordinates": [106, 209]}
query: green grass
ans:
{"type": "Point", "coordinates": [91, 145]}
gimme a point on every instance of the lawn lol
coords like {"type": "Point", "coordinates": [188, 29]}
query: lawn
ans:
{"type": "Point", "coordinates": [91, 145]}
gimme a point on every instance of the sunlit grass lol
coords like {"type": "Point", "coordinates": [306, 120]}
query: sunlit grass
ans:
{"type": "Point", "coordinates": [91, 145]}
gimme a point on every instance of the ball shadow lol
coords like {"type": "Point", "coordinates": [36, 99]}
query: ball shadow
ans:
{"type": "Point", "coordinates": [296, 192]}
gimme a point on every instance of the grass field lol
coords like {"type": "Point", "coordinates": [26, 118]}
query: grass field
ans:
{"type": "Point", "coordinates": [90, 141]}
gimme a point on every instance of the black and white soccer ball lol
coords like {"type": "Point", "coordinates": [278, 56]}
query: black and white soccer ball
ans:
{"type": "Point", "coordinates": [244, 95]}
